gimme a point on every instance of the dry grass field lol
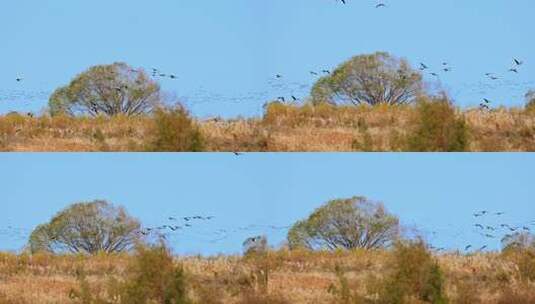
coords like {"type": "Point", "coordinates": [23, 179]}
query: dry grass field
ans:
{"type": "Point", "coordinates": [294, 277]}
{"type": "Point", "coordinates": [282, 128]}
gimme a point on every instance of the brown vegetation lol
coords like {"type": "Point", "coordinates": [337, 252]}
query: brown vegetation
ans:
{"type": "Point", "coordinates": [283, 127]}
{"type": "Point", "coordinates": [357, 276]}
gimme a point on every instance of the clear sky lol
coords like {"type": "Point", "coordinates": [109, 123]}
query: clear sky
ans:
{"type": "Point", "coordinates": [226, 53]}
{"type": "Point", "coordinates": [431, 192]}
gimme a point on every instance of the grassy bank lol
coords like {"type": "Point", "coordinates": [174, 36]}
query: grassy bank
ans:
{"type": "Point", "coordinates": [283, 128]}
{"type": "Point", "coordinates": [297, 277]}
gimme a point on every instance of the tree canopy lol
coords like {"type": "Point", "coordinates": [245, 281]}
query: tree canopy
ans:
{"type": "Point", "coordinates": [107, 90]}
{"type": "Point", "coordinates": [372, 79]}
{"type": "Point", "coordinates": [530, 99]}
{"type": "Point", "coordinates": [345, 224]}
{"type": "Point", "coordinates": [87, 227]}
{"type": "Point", "coordinates": [518, 240]}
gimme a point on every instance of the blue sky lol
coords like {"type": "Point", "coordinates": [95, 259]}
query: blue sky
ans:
{"type": "Point", "coordinates": [432, 192]}
{"type": "Point", "coordinates": [227, 52]}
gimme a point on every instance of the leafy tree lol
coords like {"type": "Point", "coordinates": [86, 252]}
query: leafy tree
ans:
{"type": "Point", "coordinates": [89, 228]}
{"type": "Point", "coordinates": [107, 90]}
{"type": "Point", "coordinates": [346, 223]}
{"type": "Point", "coordinates": [373, 79]}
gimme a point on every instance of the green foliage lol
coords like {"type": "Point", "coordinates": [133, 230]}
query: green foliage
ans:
{"type": "Point", "coordinates": [373, 79]}
{"type": "Point", "coordinates": [436, 127]}
{"type": "Point", "coordinates": [413, 276]}
{"type": "Point", "coordinates": [174, 131]}
{"type": "Point", "coordinates": [346, 224]}
{"type": "Point", "coordinates": [107, 90]}
{"type": "Point", "coordinates": [87, 227]}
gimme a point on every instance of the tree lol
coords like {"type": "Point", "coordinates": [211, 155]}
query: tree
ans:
{"type": "Point", "coordinates": [530, 100]}
{"type": "Point", "coordinates": [255, 245]}
{"type": "Point", "coordinates": [107, 90]}
{"type": "Point", "coordinates": [518, 240]}
{"type": "Point", "coordinates": [373, 79]}
{"type": "Point", "coordinates": [347, 224]}
{"type": "Point", "coordinates": [90, 227]}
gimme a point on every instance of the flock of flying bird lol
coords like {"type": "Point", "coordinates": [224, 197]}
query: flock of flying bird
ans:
{"type": "Point", "coordinates": [379, 4]}
{"type": "Point", "coordinates": [197, 225]}
{"type": "Point", "coordinates": [488, 227]}
{"type": "Point", "coordinates": [278, 90]}
{"type": "Point", "coordinates": [486, 103]}
{"type": "Point", "coordinates": [292, 91]}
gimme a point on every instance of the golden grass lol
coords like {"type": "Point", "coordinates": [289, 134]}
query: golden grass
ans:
{"type": "Point", "coordinates": [282, 128]}
{"type": "Point", "coordinates": [301, 277]}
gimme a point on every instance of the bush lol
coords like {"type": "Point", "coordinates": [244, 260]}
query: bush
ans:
{"type": "Point", "coordinates": [152, 277]}
{"type": "Point", "coordinates": [436, 127]}
{"type": "Point", "coordinates": [524, 259]}
{"type": "Point", "coordinates": [174, 131]}
{"type": "Point", "coordinates": [414, 276]}
{"type": "Point", "coordinates": [530, 102]}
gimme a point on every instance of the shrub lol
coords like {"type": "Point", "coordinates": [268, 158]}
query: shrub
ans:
{"type": "Point", "coordinates": [436, 127]}
{"type": "Point", "coordinates": [530, 102]}
{"type": "Point", "coordinates": [151, 277]}
{"type": "Point", "coordinates": [174, 131]}
{"type": "Point", "coordinates": [413, 276]}
{"type": "Point", "coordinates": [524, 259]}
